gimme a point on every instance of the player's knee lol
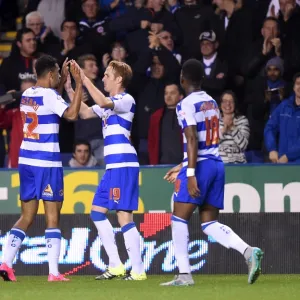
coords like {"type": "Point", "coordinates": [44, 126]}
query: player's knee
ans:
{"type": "Point", "coordinates": [98, 216]}
{"type": "Point", "coordinates": [124, 217]}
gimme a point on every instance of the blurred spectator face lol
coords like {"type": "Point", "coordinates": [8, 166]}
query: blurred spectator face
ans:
{"type": "Point", "coordinates": [82, 154]}
{"type": "Point", "coordinates": [227, 104]}
{"type": "Point", "coordinates": [139, 3]}
{"type": "Point", "coordinates": [297, 87]}
{"type": "Point", "coordinates": [28, 44]}
{"type": "Point", "coordinates": [273, 73]}
{"type": "Point", "coordinates": [90, 9]}
{"type": "Point", "coordinates": [270, 30]}
{"type": "Point", "coordinates": [219, 3]}
{"type": "Point", "coordinates": [166, 40]}
{"type": "Point", "coordinates": [172, 95]}
{"type": "Point", "coordinates": [284, 3]}
{"type": "Point", "coordinates": [35, 23]}
{"type": "Point", "coordinates": [190, 2]}
{"type": "Point", "coordinates": [119, 53]}
{"type": "Point", "coordinates": [156, 3]}
{"type": "Point", "coordinates": [157, 69]}
{"type": "Point", "coordinates": [90, 69]}
{"type": "Point", "coordinates": [70, 30]}
{"type": "Point", "coordinates": [208, 48]}
{"type": "Point", "coordinates": [26, 84]}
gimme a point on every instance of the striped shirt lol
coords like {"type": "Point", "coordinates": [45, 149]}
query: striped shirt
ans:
{"type": "Point", "coordinates": [41, 110]}
{"type": "Point", "coordinates": [116, 124]}
{"type": "Point", "coordinates": [234, 142]}
{"type": "Point", "coordinates": [200, 110]}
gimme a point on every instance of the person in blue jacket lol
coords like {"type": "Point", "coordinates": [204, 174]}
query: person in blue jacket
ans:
{"type": "Point", "coordinates": [282, 131]}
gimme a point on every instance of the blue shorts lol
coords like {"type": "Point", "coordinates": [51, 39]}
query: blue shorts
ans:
{"type": "Point", "coordinates": [118, 189]}
{"type": "Point", "coordinates": [41, 183]}
{"type": "Point", "coordinates": [210, 176]}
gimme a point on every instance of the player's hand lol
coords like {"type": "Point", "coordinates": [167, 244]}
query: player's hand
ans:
{"type": "Point", "coordinates": [283, 159]}
{"type": "Point", "coordinates": [273, 155]}
{"type": "Point", "coordinates": [68, 84]}
{"type": "Point", "coordinates": [65, 71]}
{"type": "Point", "coordinates": [193, 187]}
{"type": "Point", "coordinates": [172, 174]}
{"type": "Point", "coordinates": [75, 71]}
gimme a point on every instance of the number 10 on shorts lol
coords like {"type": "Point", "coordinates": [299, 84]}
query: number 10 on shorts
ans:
{"type": "Point", "coordinates": [114, 194]}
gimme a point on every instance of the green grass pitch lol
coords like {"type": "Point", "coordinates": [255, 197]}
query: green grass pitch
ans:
{"type": "Point", "coordinates": [212, 287]}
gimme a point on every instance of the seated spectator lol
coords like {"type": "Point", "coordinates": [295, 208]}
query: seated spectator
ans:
{"type": "Point", "coordinates": [71, 45]}
{"type": "Point", "coordinates": [282, 132]}
{"type": "Point", "coordinates": [164, 137]}
{"type": "Point", "coordinates": [94, 28]}
{"type": "Point", "coordinates": [118, 53]}
{"type": "Point", "coordinates": [91, 129]}
{"type": "Point", "coordinates": [10, 118]}
{"type": "Point", "coordinates": [82, 156]}
{"type": "Point", "coordinates": [19, 66]}
{"type": "Point", "coordinates": [214, 80]}
{"type": "Point", "coordinates": [234, 131]}
{"type": "Point", "coordinates": [43, 34]}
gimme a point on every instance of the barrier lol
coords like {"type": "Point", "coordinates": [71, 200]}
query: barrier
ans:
{"type": "Point", "coordinates": [249, 188]}
{"type": "Point", "coordinates": [81, 251]}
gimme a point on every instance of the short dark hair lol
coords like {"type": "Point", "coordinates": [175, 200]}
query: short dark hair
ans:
{"type": "Point", "coordinates": [81, 142]}
{"type": "Point", "coordinates": [296, 76]}
{"type": "Point", "coordinates": [193, 72]}
{"type": "Point", "coordinates": [272, 19]}
{"type": "Point", "coordinates": [21, 32]}
{"type": "Point", "coordinates": [180, 90]}
{"type": "Point", "coordinates": [45, 64]}
{"type": "Point", "coordinates": [68, 20]}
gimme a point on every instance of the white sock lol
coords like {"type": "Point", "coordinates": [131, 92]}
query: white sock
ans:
{"type": "Point", "coordinates": [53, 239]}
{"type": "Point", "coordinates": [132, 243]}
{"type": "Point", "coordinates": [180, 236]}
{"type": "Point", "coordinates": [13, 244]}
{"type": "Point", "coordinates": [107, 236]}
{"type": "Point", "coordinates": [224, 235]}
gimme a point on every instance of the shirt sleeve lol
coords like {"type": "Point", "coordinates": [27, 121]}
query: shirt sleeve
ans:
{"type": "Point", "coordinates": [186, 114]}
{"type": "Point", "coordinates": [56, 103]}
{"type": "Point", "coordinates": [123, 104]}
{"type": "Point", "coordinates": [98, 110]}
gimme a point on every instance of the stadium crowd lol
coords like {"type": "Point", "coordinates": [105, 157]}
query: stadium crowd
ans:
{"type": "Point", "coordinates": [250, 50]}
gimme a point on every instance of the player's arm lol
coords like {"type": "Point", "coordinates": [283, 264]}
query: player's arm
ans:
{"type": "Point", "coordinates": [64, 74]}
{"type": "Point", "coordinates": [85, 112]}
{"type": "Point", "coordinates": [71, 113]}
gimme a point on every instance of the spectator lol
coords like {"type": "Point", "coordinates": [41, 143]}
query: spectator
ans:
{"type": "Point", "coordinates": [234, 131]}
{"type": "Point", "coordinates": [94, 28]}
{"type": "Point", "coordinates": [19, 66]}
{"type": "Point", "coordinates": [91, 129]}
{"type": "Point", "coordinates": [71, 46]}
{"type": "Point", "coordinates": [82, 157]}
{"type": "Point", "coordinates": [234, 31]}
{"type": "Point", "coordinates": [282, 132]}
{"type": "Point", "coordinates": [118, 53]}
{"type": "Point", "coordinates": [164, 137]}
{"type": "Point", "coordinates": [214, 80]}
{"type": "Point", "coordinates": [267, 47]}
{"type": "Point", "coordinates": [289, 21]}
{"type": "Point", "coordinates": [10, 118]}
{"type": "Point", "coordinates": [276, 86]}
{"type": "Point", "coordinates": [172, 5]}
{"type": "Point", "coordinates": [192, 19]}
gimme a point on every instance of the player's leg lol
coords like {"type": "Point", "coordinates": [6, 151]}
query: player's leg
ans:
{"type": "Point", "coordinates": [50, 188]}
{"type": "Point", "coordinates": [29, 209]}
{"type": "Point", "coordinates": [132, 243]}
{"type": "Point", "coordinates": [125, 199]}
{"type": "Point", "coordinates": [184, 206]}
{"type": "Point", "coordinates": [16, 237]}
{"type": "Point", "coordinates": [105, 230]}
{"type": "Point", "coordinates": [223, 234]}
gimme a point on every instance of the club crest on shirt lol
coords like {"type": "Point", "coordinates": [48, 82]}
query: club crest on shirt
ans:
{"type": "Point", "coordinates": [208, 105]}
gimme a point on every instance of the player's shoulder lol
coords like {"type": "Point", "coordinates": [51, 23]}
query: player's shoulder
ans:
{"type": "Point", "coordinates": [124, 96]}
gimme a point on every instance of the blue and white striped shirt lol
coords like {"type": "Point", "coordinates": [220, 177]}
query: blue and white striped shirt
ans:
{"type": "Point", "coordinates": [200, 110]}
{"type": "Point", "coordinates": [116, 124]}
{"type": "Point", "coordinates": [41, 110]}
